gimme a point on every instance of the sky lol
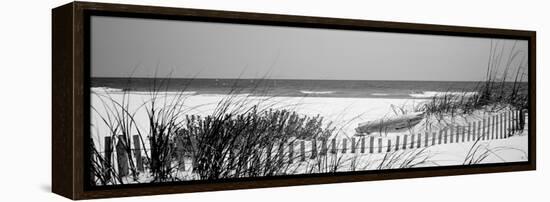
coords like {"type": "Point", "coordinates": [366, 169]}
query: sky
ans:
{"type": "Point", "coordinates": [133, 47]}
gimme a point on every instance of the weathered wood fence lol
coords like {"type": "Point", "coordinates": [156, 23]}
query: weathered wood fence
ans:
{"type": "Point", "coordinates": [499, 126]}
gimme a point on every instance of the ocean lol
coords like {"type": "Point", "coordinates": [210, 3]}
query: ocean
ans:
{"type": "Point", "coordinates": [292, 88]}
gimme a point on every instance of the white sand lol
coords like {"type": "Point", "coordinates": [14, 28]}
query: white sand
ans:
{"type": "Point", "coordinates": [346, 113]}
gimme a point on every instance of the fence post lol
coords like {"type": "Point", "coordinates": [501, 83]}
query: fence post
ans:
{"type": "Point", "coordinates": [302, 151]}
{"type": "Point", "coordinates": [405, 141]}
{"type": "Point", "coordinates": [362, 145]}
{"type": "Point", "coordinates": [389, 146]}
{"type": "Point", "coordinates": [371, 144]}
{"type": "Point", "coordinates": [344, 145]}
{"type": "Point", "coordinates": [333, 146]}
{"type": "Point", "coordinates": [353, 145]}
{"type": "Point", "coordinates": [397, 143]}
{"type": "Point", "coordinates": [122, 156]}
{"type": "Point", "coordinates": [313, 149]}
{"type": "Point", "coordinates": [108, 157]}
{"type": "Point", "coordinates": [379, 145]}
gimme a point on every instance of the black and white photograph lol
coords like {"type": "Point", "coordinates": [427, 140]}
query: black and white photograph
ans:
{"type": "Point", "coordinates": [183, 100]}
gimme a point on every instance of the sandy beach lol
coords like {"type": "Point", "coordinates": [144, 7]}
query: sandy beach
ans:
{"type": "Point", "coordinates": [344, 113]}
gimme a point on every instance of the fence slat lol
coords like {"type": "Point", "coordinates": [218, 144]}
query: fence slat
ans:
{"type": "Point", "coordinates": [313, 149]}
{"type": "Point", "coordinates": [459, 131]}
{"type": "Point", "coordinates": [508, 124]}
{"type": "Point", "coordinates": [479, 133]}
{"type": "Point", "coordinates": [419, 140]}
{"type": "Point", "coordinates": [291, 152]}
{"type": "Point", "coordinates": [344, 145]}
{"type": "Point", "coordinates": [397, 143]}
{"type": "Point", "coordinates": [107, 164]}
{"type": "Point", "coordinates": [474, 130]}
{"type": "Point", "coordinates": [353, 145]}
{"type": "Point", "coordinates": [333, 146]}
{"type": "Point", "coordinates": [405, 142]}
{"type": "Point", "coordinates": [469, 131]}
{"type": "Point", "coordinates": [137, 153]}
{"type": "Point", "coordinates": [484, 129]}
{"type": "Point", "coordinates": [451, 136]}
{"type": "Point", "coordinates": [122, 157]}
{"type": "Point", "coordinates": [362, 145]}
{"type": "Point", "coordinates": [502, 125]}
{"type": "Point", "coordinates": [371, 144]}
{"type": "Point", "coordinates": [445, 136]}
{"type": "Point", "coordinates": [281, 153]}
{"type": "Point", "coordinates": [180, 151]}
{"type": "Point", "coordinates": [440, 136]}
{"type": "Point", "coordinates": [324, 147]}
{"type": "Point", "coordinates": [464, 131]}
{"type": "Point", "coordinates": [269, 149]}
{"type": "Point", "coordinates": [426, 139]}
{"type": "Point", "coordinates": [493, 127]}
{"type": "Point", "coordinates": [379, 145]}
{"type": "Point", "coordinates": [412, 141]}
{"type": "Point", "coordinates": [302, 150]}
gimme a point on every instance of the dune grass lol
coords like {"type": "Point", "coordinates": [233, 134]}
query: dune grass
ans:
{"type": "Point", "coordinates": [503, 88]}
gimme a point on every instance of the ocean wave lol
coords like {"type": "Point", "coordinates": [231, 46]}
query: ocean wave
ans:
{"type": "Point", "coordinates": [379, 94]}
{"type": "Point", "coordinates": [118, 90]}
{"type": "Point", "coordinates": [438, 94]}
{"type": "Point", "coordinates": [316, 92]}
{"type": "Point", "coordinates": [105, 89]}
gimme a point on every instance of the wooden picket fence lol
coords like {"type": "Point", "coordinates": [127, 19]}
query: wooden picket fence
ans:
{"type": "Point", "coordinates": [500, 126]}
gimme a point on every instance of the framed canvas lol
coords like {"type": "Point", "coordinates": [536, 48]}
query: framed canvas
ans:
{"type": "Point", "coordinates": [156, 100]}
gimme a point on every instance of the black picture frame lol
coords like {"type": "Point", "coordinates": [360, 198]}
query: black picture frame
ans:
{"type": "Point", "coordinates": [70, 101]}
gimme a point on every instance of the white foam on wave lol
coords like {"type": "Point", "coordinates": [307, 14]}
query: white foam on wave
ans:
{"type": "Point", "coordinates": [438, 94]}
{"type": "Point", "coordinates": [316, 92]}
